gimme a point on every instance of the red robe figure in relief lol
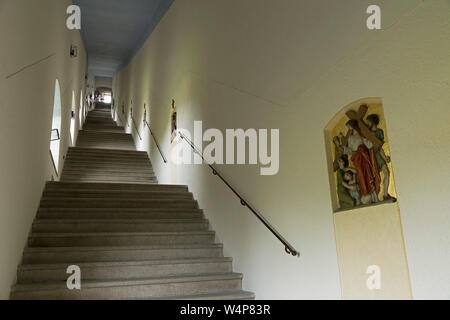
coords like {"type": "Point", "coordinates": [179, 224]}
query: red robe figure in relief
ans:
{"type": "Point", "coordinates": [363, 157]}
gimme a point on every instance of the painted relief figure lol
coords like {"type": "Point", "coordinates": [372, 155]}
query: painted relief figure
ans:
{"type": "Point", "coordinates": [382, 160]}
{"type": "Point", "coordinates": [362, 155]}
{"type": "Point", "coordinates": [360, 161]}
{"type": "Point", "coordinates": [347, 186]}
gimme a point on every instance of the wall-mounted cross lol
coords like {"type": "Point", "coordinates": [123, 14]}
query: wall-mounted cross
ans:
{"type": "Point", "coordinates": [363, 127]}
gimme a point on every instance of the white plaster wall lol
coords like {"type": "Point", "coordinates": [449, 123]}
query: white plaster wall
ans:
{"type": "Point", "coordinates": [292, 65]}
{"type": "Point", "coordinates": [35, 41]}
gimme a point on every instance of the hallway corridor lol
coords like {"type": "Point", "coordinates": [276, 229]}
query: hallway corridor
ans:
{"type": "Point", "coordinates": [131, 237]}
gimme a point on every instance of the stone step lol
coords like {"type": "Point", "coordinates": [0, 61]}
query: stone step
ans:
{"type": "Point", "coordinates": [118, 238]}
{"type": "Point", "coordinates": [119, 213]}
{"type": "Point", "coordinates": [74, 169]}
{"type": "Point", "coordinates": [118, 225]}
{"type": "Point", "coordinates": [94, 172]}
{"type": "Point", "coordinates": [51, 185]}
{"type": "Point", "coordinates": [111, 180]}
{"type": "Point", "coordinates": [101, 136]}
{"type": "Point", "coordinates": [115, 194]}
{"type": "Point", "coordinates": [118, 203]}
{"type": "Point", "coordinates": [106, 146]}
{"type": "Point", "coordinates": [102, 153]}
{"type": "Point", "coordinates": [95, 136]}
{"type": "Point", "coordinates": [101, 140]}
{"type": "Point", "coordinates": [92, 125]}
{"type": "Point", "coordinates": [105, 158]}
{"type": "Point", "coordinates": [223, 295]}
{"type": "Point", "coordinates": [106, 137]}
{"type": "Point", "coordinates": [84, 131]}
{"type": "Point", "coordinates": [69, 165]}
{"type": "Point", "coordinates": [109, 152]}
{"type": "Point", "coordinates": [116, 289]}
{"type": "Point", "coordinates": [99, 120]}
{"type": "Point", "coordinates": [100, 115]}
{"type": "Point", "coordinates": [108, 129]}
{"type": "Point", "coordinates": [107, 164]}
{"type": "Point", "coordinates": [97, 123]}
{"type": "Point", "coordinates": [114, 162]}
{"type": "Point", "coordinates": [125, 269]}
{"type": "Point", "coordinates": [126, 173]}
{"type": "Point", "coordinates": [126, 253]}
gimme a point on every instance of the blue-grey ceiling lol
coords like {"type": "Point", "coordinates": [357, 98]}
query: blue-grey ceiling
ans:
{"type": "Point", "coordinates": [114, 30]}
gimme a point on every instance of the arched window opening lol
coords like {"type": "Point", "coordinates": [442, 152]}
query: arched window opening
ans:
{"type": "Point", "coordinates": [72, 119]}
{"type": "Point", "coordinates": [81, 110]}
{"type": "Point", "coordinates": [55, 138]}
{"type": "Point", "coordinates": [107, 97]}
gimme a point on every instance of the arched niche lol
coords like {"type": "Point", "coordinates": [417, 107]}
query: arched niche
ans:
{"type": "Point", "coordinates": [173, 122]}
{"type": "Point", "coordinates": [368, 236]}
{"type": "Point", "coordinates": [364, 172]}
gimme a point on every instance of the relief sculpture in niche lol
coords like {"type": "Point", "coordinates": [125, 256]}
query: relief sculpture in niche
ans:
{"type": "Point", "coordinates": [360, 161]}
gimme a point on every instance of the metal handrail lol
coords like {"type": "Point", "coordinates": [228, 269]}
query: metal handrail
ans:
{"type": "Point", "coordinates": [53, 162]}
{"type": "Point", "coordinates": [121, 120]}
{"type": "Point", "coordinates": [156, 141]}
{"type": "Point", "coordinates": [135, 126]}
{"type": "Point", "coordinates": [287, 246]}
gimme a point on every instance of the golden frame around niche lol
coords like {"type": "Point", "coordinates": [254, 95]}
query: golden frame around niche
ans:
{"type": "Point", "coordinates": [358, 156]}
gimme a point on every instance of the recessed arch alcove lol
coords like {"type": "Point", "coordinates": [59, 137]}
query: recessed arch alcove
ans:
{"type": "Point", "coordinates": [371, 131]}
{"type": "Point", "coordinates": [367, 223]}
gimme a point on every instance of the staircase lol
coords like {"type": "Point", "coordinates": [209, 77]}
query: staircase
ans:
{"type": "Point", "coordinates": [131, 237]}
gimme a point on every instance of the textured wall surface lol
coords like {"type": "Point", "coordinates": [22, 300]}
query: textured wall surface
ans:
{"type": "Point", "coordinates": [292, 65]}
